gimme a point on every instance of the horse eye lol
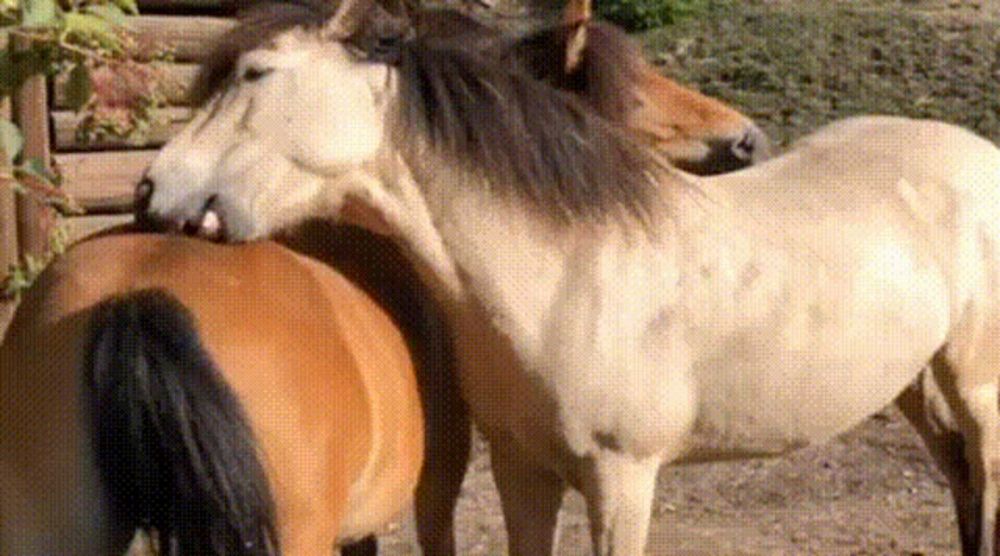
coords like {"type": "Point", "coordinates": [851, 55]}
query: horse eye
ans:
{"type": "Point", "coordinates": [387, 44]}
{"type": "Point", "coordinates": [385, 49]}
{"type": "Point", "coordinates": [252, 74]}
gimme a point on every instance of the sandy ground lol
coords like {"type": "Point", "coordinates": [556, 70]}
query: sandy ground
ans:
{"type": "Point", "coordinates": [871, 491]}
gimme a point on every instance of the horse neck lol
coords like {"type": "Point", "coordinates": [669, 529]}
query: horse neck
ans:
{"type": "Point", "coordinates": [478, 251]}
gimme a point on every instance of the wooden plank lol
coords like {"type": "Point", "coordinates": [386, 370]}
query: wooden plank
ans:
{"type": "Point", "coordinates": [30, 110]}
{"type": "Point", "coordinates": [191, 37]}
{"type": "Point", "coordinates": [66, 122]}
{"type": "Point", "coordinates": [178, 81]}
{"type": "Point", "coordinates": [79, 227]}
{"type": "Point", "coordinates": [8, 229]}
{"type": "Point", "coordinates": [103, 182]}
{"type": "Point", "coordinates": [6, 315]}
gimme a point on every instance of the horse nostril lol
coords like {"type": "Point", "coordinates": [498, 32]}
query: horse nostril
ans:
{"type": "Point", "coordinates": [745, 147]}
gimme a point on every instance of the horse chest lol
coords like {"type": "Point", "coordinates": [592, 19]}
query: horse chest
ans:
{"type": "Point", "coordinates": [604, 368]}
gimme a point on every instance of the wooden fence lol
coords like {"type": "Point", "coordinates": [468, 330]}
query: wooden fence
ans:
{"type": "Point", "coordinates": [101, 176]}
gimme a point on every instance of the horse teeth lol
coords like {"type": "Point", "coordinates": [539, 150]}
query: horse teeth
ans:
{"type": "Point", "coordinates": [211, 224]}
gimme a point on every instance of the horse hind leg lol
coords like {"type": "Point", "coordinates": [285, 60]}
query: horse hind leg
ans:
{"type": "Point", "coordinates": [955, 410]}
{"type": "Point", "coordinates": [924, 406]}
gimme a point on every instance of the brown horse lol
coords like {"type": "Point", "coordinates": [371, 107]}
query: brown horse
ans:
{"type": "Point", "coordinates": [235, 400]}
{"type": "Point", "coordinates": [600, 63]}
{"type": "Point", "coordinates": [701, 120]}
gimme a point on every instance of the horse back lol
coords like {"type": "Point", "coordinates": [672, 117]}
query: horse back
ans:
{"type": "Point", "coordinates": [384, 363]}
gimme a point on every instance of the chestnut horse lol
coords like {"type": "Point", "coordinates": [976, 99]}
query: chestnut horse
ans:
{"type": "Point", "coordinates": [600, 64]}
{"type": "Point", "coordinates": [243, 400]}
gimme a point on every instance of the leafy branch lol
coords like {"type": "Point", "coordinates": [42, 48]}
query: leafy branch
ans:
{"type": "Point", "coordinates": [108, 79]}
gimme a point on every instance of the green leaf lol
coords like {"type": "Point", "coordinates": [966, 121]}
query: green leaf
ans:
{"type": "Point", "coordinates": [89, 25]}
{"type": "Point", "coordinates": [79, 88]}
{"type": "Point", "coordinates": [130, 7]}
{"type": "Point", "coordinates": [110, 13]}
{"type": "Point", "coordinates": [39, 13]}
{"type": "Point", "coordinates": [35, 168]}
{"type": "Point", "coordinates": [11, 141]}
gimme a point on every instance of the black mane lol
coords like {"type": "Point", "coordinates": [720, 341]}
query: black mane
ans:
{"type": "Point", "coordinates": [521, 135]}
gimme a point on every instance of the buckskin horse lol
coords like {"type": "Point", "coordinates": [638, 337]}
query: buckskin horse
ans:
{"type": "Point", "coordinates": [243, 400]}
{"type": "Point", "coordinates": [610, 312]}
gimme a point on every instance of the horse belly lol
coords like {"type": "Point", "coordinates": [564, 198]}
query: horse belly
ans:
{"type": "Point", "coordinates": [835, 350]}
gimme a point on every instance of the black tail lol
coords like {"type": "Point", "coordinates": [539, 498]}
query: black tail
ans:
{"type": "Point", "coordinates": [175, 451]}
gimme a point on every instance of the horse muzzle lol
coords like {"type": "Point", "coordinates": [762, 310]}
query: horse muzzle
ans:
{"type": "Point", "coordinates": [207, 219]}
{"type": "Point", "coordinates": [727, 155]}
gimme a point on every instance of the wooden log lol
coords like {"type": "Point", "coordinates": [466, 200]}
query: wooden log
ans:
{"type": "Point", "coordinates": [80, 227]}
{"type": "Point", "coordinates": [191, 37]}
{"type": "Point", "coordinates": [103, 182]}
{"type": "Point", "coordinates": [66, 123]}
{"type": "Point", "coordinates": [8, 228]}
{"type": "Point", "coordinates": [30, 110]}
{"type": "Point", "coordinates": [178, 81]}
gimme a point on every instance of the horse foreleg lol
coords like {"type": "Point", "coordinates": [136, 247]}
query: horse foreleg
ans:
{"type": "Point", "coordinates": [983, 406]}
{"type": "Point", "coordinates": [619, 492]}
{"type": "Point", "coordinates": [449, 440]}
{"type": "Point", "coordinates": [531, 496]}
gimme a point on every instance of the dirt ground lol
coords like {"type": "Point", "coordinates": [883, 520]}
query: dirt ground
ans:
{"type": "Point", "coordinates": [793, 66]}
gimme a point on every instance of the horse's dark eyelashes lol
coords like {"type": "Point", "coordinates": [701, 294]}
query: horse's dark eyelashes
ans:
{"type": "Point", "coordinates": [252, 74]}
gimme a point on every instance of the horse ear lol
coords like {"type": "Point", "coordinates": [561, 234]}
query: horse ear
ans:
{"type": "Point", "coordinates": [576, 17]}
{"type": "Point", "coordinates": [577, 12]}
{"type": "Point", "coordinates": [347, 19]}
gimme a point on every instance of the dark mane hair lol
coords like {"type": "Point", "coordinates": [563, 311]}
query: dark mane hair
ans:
{"type": "Point", "coordinates": [610, 67]}
{"type": "Point", "coordinates": [486, 108]}
{"type": "Point", "coordinates": [258, 23]}
{"type": "Point", "coordinates": [522, 135]}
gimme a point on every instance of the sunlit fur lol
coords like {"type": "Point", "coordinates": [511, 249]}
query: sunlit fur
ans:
{"type": "Point", "coordinates": [320, 373]}
{"type": "Point", "coordinates": [747, 314]}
